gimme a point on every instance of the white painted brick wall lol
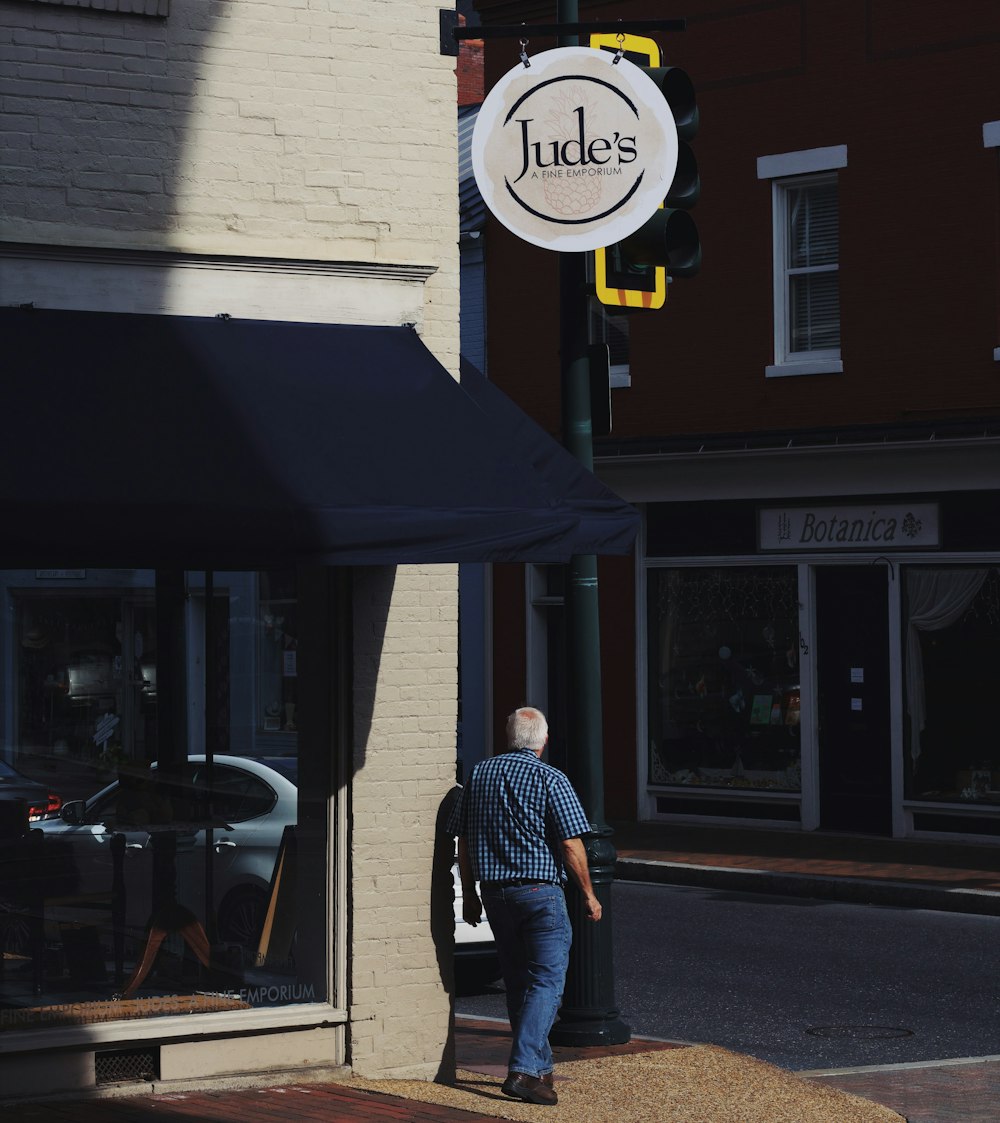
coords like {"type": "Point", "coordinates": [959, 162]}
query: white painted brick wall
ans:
{"type": "Point", "coordinates": [406, 656]}
{"type": "Point", "coordinates": [287, 128]}
{"type": "Point", "coordinates": [319, 129]}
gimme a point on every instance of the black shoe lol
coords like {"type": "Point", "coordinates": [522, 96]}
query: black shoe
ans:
{"type": "Point", "coordinates": [531, 1089]}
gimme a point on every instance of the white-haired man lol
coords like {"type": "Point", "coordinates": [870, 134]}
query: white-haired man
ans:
{"type": "Point", "coordinates": [519, 825]}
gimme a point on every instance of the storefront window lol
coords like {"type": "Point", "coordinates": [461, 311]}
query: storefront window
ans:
{"type": "Point", "coordinates": [952, 657]}
{"type": "Point", "coordinates": [278, 652]}
{"type": "Point", "coordinates": [86, 678]}
{"type": "Point", "coordinates": [162, 833]}
{"type": "Point", "coordinates": [724, 678]}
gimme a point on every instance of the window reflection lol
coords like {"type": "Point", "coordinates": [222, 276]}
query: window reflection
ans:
{"type": "Point", "coordinates": [163, 878]}
{"type": "Point", "coordinates": [952, 663]}
{"type": "Point", "coordinates": [724, 678]}
{"type": "Point", "coordinates": [278, 652]}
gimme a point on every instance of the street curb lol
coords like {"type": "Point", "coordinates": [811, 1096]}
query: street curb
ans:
{"type": "Point", "coordinates": [903, 1066]}
{"type": "Point", "coordinates": [849, 890]}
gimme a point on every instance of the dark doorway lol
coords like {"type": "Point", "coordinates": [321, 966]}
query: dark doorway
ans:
{"type": "Point", "coordinates": [852, 647]}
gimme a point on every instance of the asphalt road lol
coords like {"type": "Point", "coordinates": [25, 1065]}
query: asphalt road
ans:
{"type": "Point", "coordinates": [804, 984]}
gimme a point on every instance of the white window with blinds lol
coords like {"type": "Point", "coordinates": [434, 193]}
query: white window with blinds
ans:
{"type": "Point", "coordinates": [806, 217]}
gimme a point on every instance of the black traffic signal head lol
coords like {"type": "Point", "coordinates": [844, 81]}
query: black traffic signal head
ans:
{"type": "Point", "coordinates": [669, 238]}
{"type": "Point", "coordinates": [678, 90]}
{"type": "Point", "coordinates": [633, 272]}
{"type": "Point", "coordinates": [686, 186]}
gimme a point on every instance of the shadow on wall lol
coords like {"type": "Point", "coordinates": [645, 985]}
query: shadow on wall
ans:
{"type": "Point", "coordinates": [443, 924]}
{"type": "Point", "coordinates": [116, 109]}
{"type": "Point", "coordinates": [372, 599]}
{"type": "Point", "coordinates": [373, 591]}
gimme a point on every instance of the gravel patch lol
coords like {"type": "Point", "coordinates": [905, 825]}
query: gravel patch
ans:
{"type": "Point", "coordinates": [698, 1084]}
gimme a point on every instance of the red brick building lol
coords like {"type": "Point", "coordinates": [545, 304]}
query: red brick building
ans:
{"type": "Point", "coordinates": [809, 634]}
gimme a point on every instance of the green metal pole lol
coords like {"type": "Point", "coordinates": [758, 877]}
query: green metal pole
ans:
{"type": "Point", "coordinates": [588, 1015]}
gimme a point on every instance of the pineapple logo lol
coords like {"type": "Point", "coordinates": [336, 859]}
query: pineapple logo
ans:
{"type": "Point", "coordinates": [570, 198]}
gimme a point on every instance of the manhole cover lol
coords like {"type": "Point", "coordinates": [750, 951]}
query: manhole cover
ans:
{"type": "Point", "coordinates": [860, 1033]}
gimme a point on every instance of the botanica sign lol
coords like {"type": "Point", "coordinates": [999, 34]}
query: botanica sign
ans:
{"type": "Point", "coordinates": [864, 527]}
{"type": "Point", "coordinates": [575, 151]}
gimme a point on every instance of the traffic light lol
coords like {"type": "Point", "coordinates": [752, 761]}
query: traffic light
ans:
{"type": "Point", "coordinates": [633, 273]}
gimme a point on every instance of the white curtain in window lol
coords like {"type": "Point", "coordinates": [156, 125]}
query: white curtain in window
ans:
{"type": "Point", "coordinates": [937, 598]}
{"type": "Point", "coordinates": [813, 251]}
{"type": "Point", "coordinates": [813, 225]}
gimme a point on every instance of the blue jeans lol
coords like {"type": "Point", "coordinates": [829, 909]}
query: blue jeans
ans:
{"type": "Point", "coordinates": [533, 936]}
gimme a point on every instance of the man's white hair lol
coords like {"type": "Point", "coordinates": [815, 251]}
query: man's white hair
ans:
{"type": "Point", "coordinates": [527, 729]}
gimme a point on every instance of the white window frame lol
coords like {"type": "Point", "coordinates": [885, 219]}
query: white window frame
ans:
{"type": "Point", "coordinates": [991, 139]}
{"type": "Point", "coordinates": [786, 170]}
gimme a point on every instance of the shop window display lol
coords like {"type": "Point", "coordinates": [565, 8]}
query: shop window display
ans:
{"type": "Point", "coordinates": [149, 882]}
{"type": "Point", "coordinates": [724, 678]}
{"type": "Point", "coordinates": [952, 653]}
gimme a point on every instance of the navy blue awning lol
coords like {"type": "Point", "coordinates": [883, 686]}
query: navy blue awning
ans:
{"type": "Point", "coordinates": [135, 440]}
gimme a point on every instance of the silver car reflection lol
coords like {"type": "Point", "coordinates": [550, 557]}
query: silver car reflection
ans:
{"type": "Point", "coordinates": [254, 799]}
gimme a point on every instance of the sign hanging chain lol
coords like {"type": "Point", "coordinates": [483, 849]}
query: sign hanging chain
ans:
{"type": "Point", "coordinates": [524, 54]}
{"type": "Point", "coordinates": [621, 49]}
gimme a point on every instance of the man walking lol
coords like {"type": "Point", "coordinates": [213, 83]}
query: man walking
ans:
{"type": "Point", "coordinates": [519, 824]}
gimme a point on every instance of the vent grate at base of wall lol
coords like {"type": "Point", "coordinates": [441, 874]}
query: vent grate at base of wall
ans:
{"type": "Point", "coordinates": [122, 1066]}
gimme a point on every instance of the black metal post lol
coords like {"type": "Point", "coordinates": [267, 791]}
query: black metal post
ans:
{"type": "Point", "coordinates": [211, 732]}
{"type": "Point", "coordinates": [588, 1015]}
{"type": "Point", "coordinates": [171, 721]}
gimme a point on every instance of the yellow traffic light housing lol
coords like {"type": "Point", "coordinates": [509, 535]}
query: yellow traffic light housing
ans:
{"type": "Point", "coordinates": [633, 273]}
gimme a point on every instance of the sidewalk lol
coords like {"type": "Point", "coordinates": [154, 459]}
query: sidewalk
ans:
{"type": "Point", "coordinates": [921, 874]}
{"type": "Point", "coordinates": [952, 876]}
{"type": "Point", "coordinates": [945, 1093]}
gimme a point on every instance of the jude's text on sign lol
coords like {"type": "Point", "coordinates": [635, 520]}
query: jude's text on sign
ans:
{"type": "Point", "coordinates": [574, 152]}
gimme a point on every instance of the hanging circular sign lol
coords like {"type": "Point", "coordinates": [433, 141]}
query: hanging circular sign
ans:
{"type": "Point", "coordinates": [575, 151]}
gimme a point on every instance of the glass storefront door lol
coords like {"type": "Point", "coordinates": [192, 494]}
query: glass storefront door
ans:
{"type": "Point", "coordinates": [852, 646]}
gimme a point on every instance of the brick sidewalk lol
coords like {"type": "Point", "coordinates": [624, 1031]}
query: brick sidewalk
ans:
{"type": "Point", "coordinates": [308, 1103]}
{"type": "Point", "coordinates": [944, 1093]}
{"type": "Point", "coordinates": [923, 862]}
{"type": "Point", "coordinates": [481, 1046]}
{"type": "Point", "coordinates": [909, 873]}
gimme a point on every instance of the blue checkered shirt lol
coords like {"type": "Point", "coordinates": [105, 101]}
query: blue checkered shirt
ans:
{"type": "Point", "coordinates": [514, 812]}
